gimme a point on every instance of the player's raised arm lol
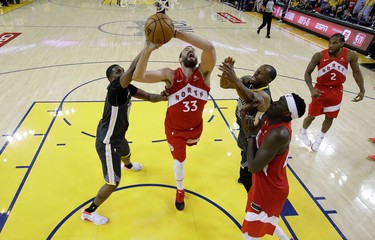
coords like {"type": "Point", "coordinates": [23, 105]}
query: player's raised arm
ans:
{"type": "Point", "coordinates": [208, 57]}
{"type": "Point", "coordinates": [224, 81]}
{"type": "Point", "coordinates": [152, 76]}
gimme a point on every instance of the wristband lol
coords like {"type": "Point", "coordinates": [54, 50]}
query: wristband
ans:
{"type": "Point", "coordinates": [251, 136]}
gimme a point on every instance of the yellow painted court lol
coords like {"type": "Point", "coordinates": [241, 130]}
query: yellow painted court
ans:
{"type": "Point", "coordinates": [60, 173]}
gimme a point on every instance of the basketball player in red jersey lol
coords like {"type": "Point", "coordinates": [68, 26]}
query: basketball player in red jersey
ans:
{"type": "Point", "coordinates": [188, 88]}
{"type": "Point", "coordinates": [248, 88]}
{"type": "Point", "coordinates": [327, 93]}
{"type": "Point", "coordinates": [267, 153]}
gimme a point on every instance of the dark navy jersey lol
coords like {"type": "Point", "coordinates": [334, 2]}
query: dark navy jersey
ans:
{"type": "Point", "coordinates": [114, 123]}
{"type": "Point", "coordinates": [241, 140]}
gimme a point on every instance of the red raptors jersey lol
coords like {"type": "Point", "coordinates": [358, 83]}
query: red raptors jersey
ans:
{"type": "Point", "coordinates": [332, 71]}
{"type": "Point", "coordinates": [273, 177]}
{"type": "Point", "coordinates": [268, 192]}
{"type": "Point", "coordinates": [186, 101]}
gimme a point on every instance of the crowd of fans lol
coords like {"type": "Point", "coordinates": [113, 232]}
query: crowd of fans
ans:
{"type": "Point", "coordinates": [245, 5]}
{"type": "Point", "coordinates": [360, 12]}
{"type": "Point", "coordinates": [6, 3]}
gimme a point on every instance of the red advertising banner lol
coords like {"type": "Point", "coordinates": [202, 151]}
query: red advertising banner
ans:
{"type": "Point", "coordinates": [230, 17]}
{"type": "Point", "coordinates": [353, 37]}
{"type": "Point", "coordinates": [7, 37]}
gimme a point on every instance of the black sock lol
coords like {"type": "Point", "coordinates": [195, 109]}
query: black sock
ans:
{"type": "Point", "coordinates": [130, 165]}
{"type": "Point", "coordinates": [92, 207]}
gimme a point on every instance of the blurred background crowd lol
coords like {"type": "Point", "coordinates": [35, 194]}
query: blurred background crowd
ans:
{"type": "Point", "coordinates": [361, 12]}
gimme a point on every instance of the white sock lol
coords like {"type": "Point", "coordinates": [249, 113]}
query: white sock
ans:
{"type": "Point", "coordinates": [280, 233]}
{"type": "Point", "coordinates": [303, 130]}
{"type": "Point", "coordinates": [179, 173]}
{"type": "Point", "coordinates": [320, 135]}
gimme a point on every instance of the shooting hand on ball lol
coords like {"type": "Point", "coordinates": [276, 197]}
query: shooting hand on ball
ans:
{"type": "Point", "coordinates": [151, 46]}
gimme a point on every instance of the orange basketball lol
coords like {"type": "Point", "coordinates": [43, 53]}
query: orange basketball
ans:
{"type": "Point", "coordinates": [159, 28]}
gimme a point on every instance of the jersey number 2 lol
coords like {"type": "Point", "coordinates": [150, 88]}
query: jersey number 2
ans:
{"type": "Point", "coordinates": [333, 76]}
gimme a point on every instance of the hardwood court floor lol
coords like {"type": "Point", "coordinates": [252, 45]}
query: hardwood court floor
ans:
{"type": "Point", "coordinates": [53, 84]}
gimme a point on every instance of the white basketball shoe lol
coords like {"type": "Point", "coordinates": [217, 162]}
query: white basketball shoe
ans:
{"type": "Point", "coordinates": [94, 218]}
{"type": "Point", "coordinates": [315, 146]}
{"type": "Point", "coordinates": [305, 138]}
{"type": "Point", "coordinates": [136, 167]}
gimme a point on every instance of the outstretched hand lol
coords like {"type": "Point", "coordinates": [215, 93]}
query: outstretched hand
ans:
{"type": "Point", "coordinates": [228, 71]}
{"type": "Point", "coordinates": [224, 81]}
{"type": "Point", "coordinates": [151, 46]}
{"type": "Point", "coordinates": [229, 60]}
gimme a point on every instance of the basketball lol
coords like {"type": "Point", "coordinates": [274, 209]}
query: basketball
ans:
{"type": "Point", "coordinates": [159, 28]}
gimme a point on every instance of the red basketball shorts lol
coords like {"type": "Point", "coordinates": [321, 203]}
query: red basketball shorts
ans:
{"type": "Point", "coordinates": [178, 140]}
{"type": "Point", "coordinates": [328, 103]}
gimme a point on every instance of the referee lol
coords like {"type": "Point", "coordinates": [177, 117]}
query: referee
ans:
{"type": "Point", "coordinates": [266, 8]}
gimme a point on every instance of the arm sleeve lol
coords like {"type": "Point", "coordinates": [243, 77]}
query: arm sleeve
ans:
{"type": "Point", "coordinates": [132, 89]}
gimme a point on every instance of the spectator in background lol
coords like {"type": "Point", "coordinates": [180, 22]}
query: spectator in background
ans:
{"type": "Point", "coordinates": [4, 3]}
{"type": "Point", "coordinates": [367, 23]}
{"type": "Point", "coordinates": [312, 3]}
{"type": "Point", "coordinates": [308, 6]}
{"type": "Point", "coordinates": [358, 7]}
{"type": "Point", "coordinates": [333, 2]}
{"type": "Point", "coordinates": [294, 3]}
{"type": "Point", "coordinates": [339, 12]}
{"type": "Point", "coordinates": [344, 4]}
{"type": "Point", "coordinates": [12, 1]}
{"type": "Point", "coordinates": [332, 11]}
{"type": "Point", "coordinates": [251, 5]}
{"type": "Point", "coordinates": [258, 4]}
{"type": "Point", "coordinates": [241, 5]}
{"type": "Point", "coordinates": [357, 19]}
{"type": "Point", "coordinates": [286, 6]}
{"type": "Point", "coordinates": [301, 4]}
{"type": "Point", "coordinates": [351, 5]}
{"type": "Point", "coordinates": [317, 7]}
{"type": "Point", "coordinates": [369, 5]}
{"type": "Point", "coordinates": [323, 4]}
{"type": "Point", "coordinates": [326, 9]}
{"type": "Point", "coordinates": [346, 15]}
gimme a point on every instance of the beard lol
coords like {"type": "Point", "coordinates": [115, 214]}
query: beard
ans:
{"type": "Point", "coordinates": [190, 64]}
